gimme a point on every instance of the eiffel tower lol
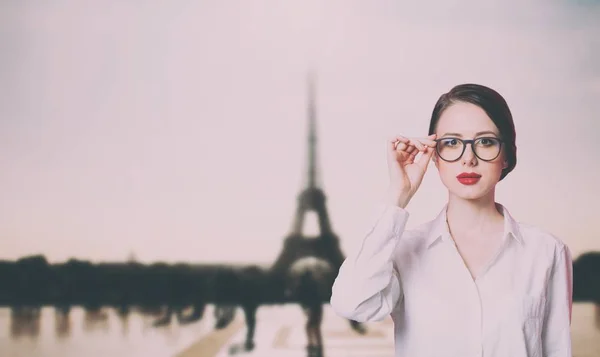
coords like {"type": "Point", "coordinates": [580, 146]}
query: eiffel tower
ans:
{"type": "Point", "coordinates": [323, 249]}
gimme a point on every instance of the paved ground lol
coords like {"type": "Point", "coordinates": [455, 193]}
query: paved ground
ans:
{"type": "Point", "coordinates": [280, 332]}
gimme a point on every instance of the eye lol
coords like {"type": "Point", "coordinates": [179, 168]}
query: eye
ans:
{"type": "Point", "coordinates": [488, 141]}
{"type": "Point", "coordinates": [449, 142]}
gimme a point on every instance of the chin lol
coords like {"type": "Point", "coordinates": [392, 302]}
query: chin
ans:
{"type": "Point", "coordinates": [469, 195]}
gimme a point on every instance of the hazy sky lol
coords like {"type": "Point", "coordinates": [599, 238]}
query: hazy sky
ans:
{"type": "Point", "coordinates": [178, 131]}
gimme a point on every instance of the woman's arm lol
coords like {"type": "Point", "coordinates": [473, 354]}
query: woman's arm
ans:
{"type": "Point", "coordinates": [556, 333]}
{"type": "Point", "coordinates": [367, 287]}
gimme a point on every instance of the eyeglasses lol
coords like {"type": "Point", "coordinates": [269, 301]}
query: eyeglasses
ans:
{"type": "Point", "coordinates": [485, 148]}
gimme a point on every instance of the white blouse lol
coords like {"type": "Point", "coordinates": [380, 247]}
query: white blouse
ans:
{"type": "Point", "coordinates": [519, 306]}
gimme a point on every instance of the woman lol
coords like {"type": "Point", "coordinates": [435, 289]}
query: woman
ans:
{"type": "Point", "coordinates": [473, 281]}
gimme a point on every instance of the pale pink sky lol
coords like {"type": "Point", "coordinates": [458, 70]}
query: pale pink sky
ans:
{"type": "Point", "coordinates": [177, 129]}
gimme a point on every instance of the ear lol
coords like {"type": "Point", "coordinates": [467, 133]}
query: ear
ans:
{"type": "Point", "coordinates": [505, 164]}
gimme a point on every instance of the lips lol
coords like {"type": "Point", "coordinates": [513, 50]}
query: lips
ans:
{"type": "Point", "coordinates": [468, 175]}
{"type": "Point", "coordinates": [468, 178]}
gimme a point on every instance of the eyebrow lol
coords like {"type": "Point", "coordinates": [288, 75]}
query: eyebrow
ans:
{"type": "Point", "coordinates": [476, 134]}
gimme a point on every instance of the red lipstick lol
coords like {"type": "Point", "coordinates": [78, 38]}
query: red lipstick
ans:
{"type": "Point", "coordinates": [468, 178]}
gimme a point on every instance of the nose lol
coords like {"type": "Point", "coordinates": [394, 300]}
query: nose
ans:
{"type": "Point", "coordinates": [469, 157]}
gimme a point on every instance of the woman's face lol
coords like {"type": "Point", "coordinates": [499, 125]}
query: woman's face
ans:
{"type": "Point", "coordinates": [468, 121]}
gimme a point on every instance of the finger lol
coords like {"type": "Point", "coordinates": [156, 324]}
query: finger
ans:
{"type": "Point", "coordinates": [405, 158]}
{"type": "Point", "coordinates": [394, 141]}
{"type": "Point", "coordinates": [413, 155]}
{"type": "Point", "coordinates": [428, 142]}
{"type": "Point", "coordinates": [417, 143]}
{"type": "Point", "coordinates": [423, 161]}
{"type": "Point", "coordinates": [398, 138]}
{"type": "Point", "coordinates": [410, 149]}
{"type": "Point", "coordinates": [404, 153]}
{"type": "Point", "coordinates": [402, 147]}
{"type": "Point", "coordinates": [407, 146]}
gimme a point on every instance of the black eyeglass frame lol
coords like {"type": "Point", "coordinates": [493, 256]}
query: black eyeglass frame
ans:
{"type": "Point", "coordinates": [465, 142]}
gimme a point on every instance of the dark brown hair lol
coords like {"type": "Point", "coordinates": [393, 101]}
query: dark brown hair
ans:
{"type": "Point", "coordinates": [493, 104]}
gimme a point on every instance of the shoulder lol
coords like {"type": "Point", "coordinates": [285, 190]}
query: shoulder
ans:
{"type": "Point", "coordinates": [543, 241]}
{"type": "Point", "coordinates": [536, 235]}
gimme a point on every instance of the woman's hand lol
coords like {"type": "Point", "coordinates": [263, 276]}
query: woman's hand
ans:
{"type": "Point", "coordinates": [405, 173]}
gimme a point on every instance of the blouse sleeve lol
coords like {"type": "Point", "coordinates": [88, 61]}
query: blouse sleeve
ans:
{"type": "Point", "coordinates": [556, 333]}
{"type": "Point", "coordinates": [367, 286]}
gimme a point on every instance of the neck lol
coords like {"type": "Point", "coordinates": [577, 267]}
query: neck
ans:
{"type": "Point", "coordinates": [467, 217]}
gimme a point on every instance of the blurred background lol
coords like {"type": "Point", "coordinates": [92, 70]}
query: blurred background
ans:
{"type": "Point", "coordinates": [156, 161]}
